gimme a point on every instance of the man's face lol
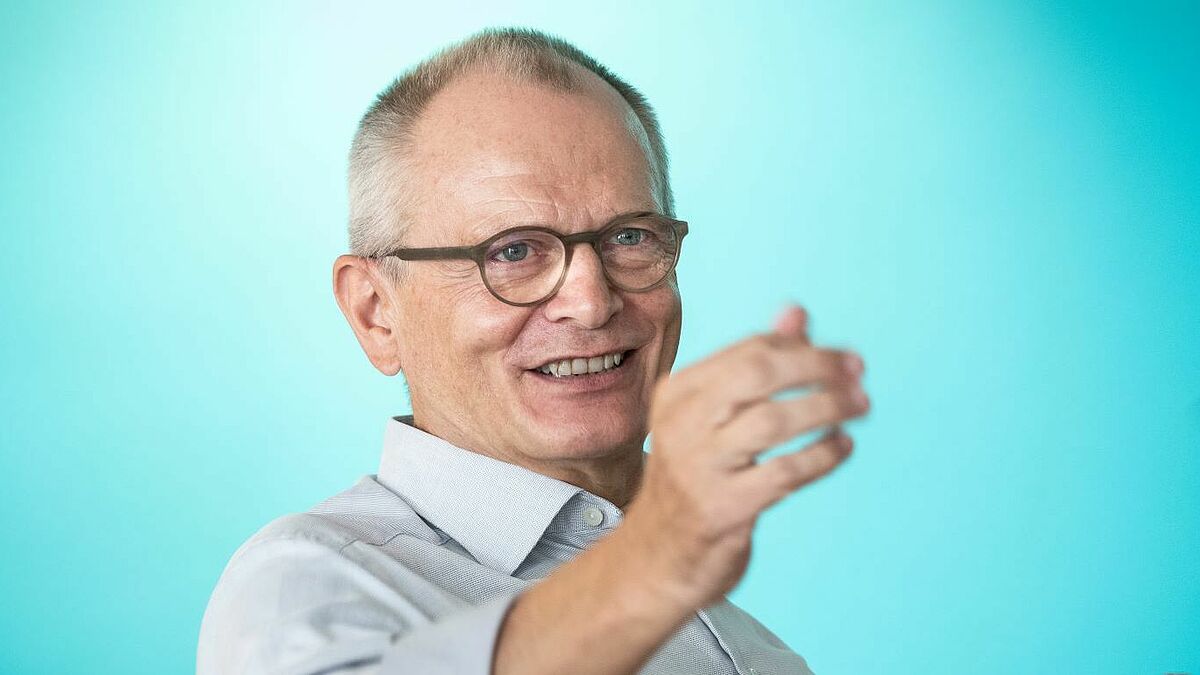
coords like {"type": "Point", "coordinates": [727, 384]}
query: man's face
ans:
{"type": "Point", "coordinates": [492, 153]}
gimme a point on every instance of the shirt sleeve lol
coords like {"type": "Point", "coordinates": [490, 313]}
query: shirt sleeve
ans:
{"type": "Point", "coordinates": [300, 607]}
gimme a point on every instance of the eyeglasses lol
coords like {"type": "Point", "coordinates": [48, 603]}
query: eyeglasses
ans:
{"type": "Point", "coordinates": [524, 266]}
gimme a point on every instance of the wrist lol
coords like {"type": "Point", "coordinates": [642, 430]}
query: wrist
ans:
{"type": "Point", "coordinates": [607, 589]}
{"type": "Point", "coordinates": [651, 568]}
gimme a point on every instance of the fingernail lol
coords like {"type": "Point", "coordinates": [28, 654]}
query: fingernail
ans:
{"type": "Point", "coordinates": [854, 363]}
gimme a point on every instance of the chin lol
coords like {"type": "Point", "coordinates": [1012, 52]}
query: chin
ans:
{"type": "Point", "coordinates": [591, 439]}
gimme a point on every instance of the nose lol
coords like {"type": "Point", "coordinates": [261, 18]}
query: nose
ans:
{"type": "Point", "coordinates": [585, 295]}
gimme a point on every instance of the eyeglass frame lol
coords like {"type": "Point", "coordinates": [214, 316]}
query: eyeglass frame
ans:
{"type": "Point", "coordinates": [593, 237]}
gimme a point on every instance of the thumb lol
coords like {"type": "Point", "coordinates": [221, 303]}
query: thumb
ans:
{"type": "Point", "coordinates": [793, 320]}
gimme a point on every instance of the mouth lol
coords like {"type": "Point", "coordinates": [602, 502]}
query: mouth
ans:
{"type": "Point", "coordinates": [585, 368]}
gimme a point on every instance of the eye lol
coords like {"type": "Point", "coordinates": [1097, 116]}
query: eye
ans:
{"type": "Point", "coordinates": [630, 236]}
{"type": "Point", "coordinates": [513, 252]}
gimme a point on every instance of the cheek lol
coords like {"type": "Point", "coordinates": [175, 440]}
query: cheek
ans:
{"type": "Point", "coordinates": [486, 336]}
{"type": "Point", "coordinates": [663, 306]}
{"type": "Point", "coordinates": [668, 313]}
{"type": "Point", "coordinates": [457, 335]}
{"type": "Point", "coordinates": [480, 332]}
{"type": "Point", "coordinates": [662, 309]}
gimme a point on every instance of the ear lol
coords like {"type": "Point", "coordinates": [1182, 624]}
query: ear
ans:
{"type": "Point", "coordinates": [368, 302]}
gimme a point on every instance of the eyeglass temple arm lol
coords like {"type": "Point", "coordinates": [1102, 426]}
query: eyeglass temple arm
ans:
{"type": "Point", "coordinates": [435, 253]}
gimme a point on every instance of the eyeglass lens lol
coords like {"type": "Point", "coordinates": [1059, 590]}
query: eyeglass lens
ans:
{"type": "Point", "coordinates": [525, 265]}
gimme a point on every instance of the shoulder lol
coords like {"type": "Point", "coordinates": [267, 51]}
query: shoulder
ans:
{"type": "Point", "coordinates": [320, 572]}
{"type": "Point", "coordinates": [364, 512]}
{"type": "Point", "coordinates": [299, 576]}
{"type": "Point", "coordinates": [337, 539]}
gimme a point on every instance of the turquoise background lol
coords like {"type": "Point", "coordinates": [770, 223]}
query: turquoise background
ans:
{"type": "Point", "coordinates": [995, 203]}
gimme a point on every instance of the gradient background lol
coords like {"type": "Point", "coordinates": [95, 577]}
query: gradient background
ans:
{"type": "Point", "coordinates": [995, 204]}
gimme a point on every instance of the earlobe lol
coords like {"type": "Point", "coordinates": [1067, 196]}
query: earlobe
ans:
{"type": "Point", "coordinates": [370, 309]}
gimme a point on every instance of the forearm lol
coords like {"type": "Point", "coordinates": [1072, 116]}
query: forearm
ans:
{"type": "Point", "coordinates": [601, 595]}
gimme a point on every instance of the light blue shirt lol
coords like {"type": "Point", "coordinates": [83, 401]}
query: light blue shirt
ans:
{"type": "Point", "coordinates": [412, 569]}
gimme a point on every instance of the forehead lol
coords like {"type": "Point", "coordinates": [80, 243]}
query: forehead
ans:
{"type": "Point", "coordinates": [491, 152]}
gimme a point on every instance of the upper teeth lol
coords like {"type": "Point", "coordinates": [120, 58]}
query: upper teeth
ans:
{"type": "Point", "coordinates": [582, 366]}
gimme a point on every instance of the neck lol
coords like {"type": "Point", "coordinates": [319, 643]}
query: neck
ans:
{"type": "Point", "coordinates": [615, 477]}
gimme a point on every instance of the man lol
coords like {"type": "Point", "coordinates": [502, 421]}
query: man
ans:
{"type": "Point", "coordinates": [514, 249]}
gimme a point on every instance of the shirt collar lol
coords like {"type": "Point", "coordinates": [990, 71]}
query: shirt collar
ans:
{"type": "Point", "coordinates": [496, 510]}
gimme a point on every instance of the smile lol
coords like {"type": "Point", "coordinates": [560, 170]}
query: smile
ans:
{"type": "Point", "coordinates": [574, 367]}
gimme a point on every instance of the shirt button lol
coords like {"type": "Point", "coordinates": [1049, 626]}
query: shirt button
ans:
{"type": "Point", "coordinates": [753, 671]}
{"type": "Point", "coordinates": [593, 516]}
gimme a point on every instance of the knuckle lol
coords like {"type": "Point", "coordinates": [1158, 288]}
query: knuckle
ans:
{"type": "Point", "coordinates": [833, 365]}
{"type": "Point", "coordinates": [828, 407]}
{"type": "Point", "coordinates": [845, 446]}
{"type": "Point", "coordinates": [768, 422]}
{"type": "Point", "coordinates": [756, 370]}
{"type": "Point", "coordinates": [791, 473]}
{"type": "Point", "coordinates": [813, 364]}
{"type": "Point", "coordinates": [835, 449]}
{"type": "Point", "coordinates": [833, 362]}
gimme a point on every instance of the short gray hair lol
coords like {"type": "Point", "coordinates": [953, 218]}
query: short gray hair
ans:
{"type": "Point", "coordinates": [379, 204]}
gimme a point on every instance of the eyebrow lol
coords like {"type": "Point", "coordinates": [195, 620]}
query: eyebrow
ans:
{"type": "Point", "coordinates": [482, 235]}
{"type": "Point", "coordinates": [517, 223]}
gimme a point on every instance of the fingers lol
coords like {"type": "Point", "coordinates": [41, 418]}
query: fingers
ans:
{"type": "Point", "coordinates": [766, 483]}
{"type": "Point", "coordinates": [793, 320]}
{"type": "Point", "coordinates": [768, 422]}
{"type": "Point", "coordinates": [766, 365]}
